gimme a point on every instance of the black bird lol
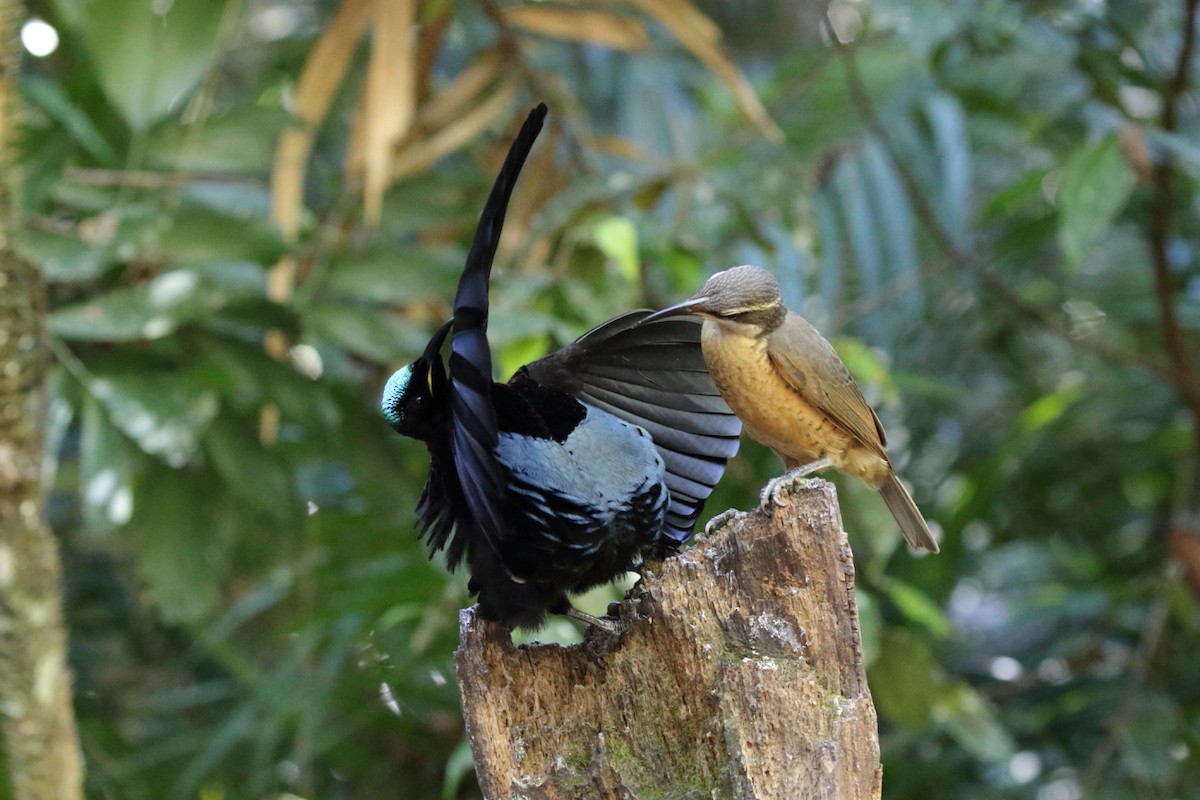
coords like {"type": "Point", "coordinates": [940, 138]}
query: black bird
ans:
{"type": "Point", "coordinates": [587, 462]}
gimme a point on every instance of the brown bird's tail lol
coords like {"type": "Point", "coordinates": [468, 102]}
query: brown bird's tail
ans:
{"type": "Point", "coordinates": [907, 515]}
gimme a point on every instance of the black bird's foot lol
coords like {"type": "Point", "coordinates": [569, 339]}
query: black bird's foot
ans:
{"type": "Point", "coordinates": [720, 521]}
{"type": "Point", "coordinates": [773, 491]}
{"type": "Point", "coordinates": [611, 626]}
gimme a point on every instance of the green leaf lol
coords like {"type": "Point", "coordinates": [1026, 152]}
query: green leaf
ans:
{"type": "Point", "coordinates": [1096, 184]}
{"type": "Point", "coordinates": [165, 414]}
{"type": "Point", "coordinates": [379, 335]}
{"type": "Point", "coordinates": [242, 140]}
{"type": "Point", "coordinates": [906, 681]}
{"type": "Point", "coordinates": [397, 275]}
{"type": "Point", "coordinates": [199, 233]}
{"type": "Point", "coordinates": [253, 474]}
{"type": "Point", "coordinates": [830, 239]}
{"type": "Point", "coordinates": [54, 101]}
{"type": "Point", "coordinates": [616, 237]}
{"type": "Point", "coordinates": [916, 606]}
{"type": "Point", "coordinates": [972, 721]}
{"type": "Point", "coordinates": [950, 136]}
{"type": "Point", "coordinates": [63, 259]}
{"type": "Point", "coordinates": [149, 56]}
{"type": "Point", "coordinates": [180, 550]}
{"type": "Point", "coordinates": [1046, 410]}
{"type": "Point", "coordinates": [107, 464]}
{"type": "Point", "coordinates": [157, 308]}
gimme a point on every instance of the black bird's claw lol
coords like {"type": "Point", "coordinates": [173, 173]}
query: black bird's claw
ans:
{"type": "Point", "coordinates": [611, 626]}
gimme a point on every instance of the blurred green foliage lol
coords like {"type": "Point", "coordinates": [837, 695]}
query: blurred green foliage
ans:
{"type": "Point", "coordinates": [254, 621]}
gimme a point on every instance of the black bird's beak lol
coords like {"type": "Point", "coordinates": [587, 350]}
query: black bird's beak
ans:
{"type": "Point", "coordinates": [693, 305]}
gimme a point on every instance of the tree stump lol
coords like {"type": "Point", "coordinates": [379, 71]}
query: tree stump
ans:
{"type": "Point", "coordinates": [740, 675]}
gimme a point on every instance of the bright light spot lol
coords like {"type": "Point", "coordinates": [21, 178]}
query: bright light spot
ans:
{"type": "Point", "coordinates": [1005, 668]}
{"type": "Point", "coordinates": [275, 22]}
{"type": "Point", "coordinates": [1179, 751]}
{"type": "Point", "coordinates": [39, 37]}
{"type": "Point", "coordinates": [1024, 766]}
{"type": "Point", "coordinates": [306, 360]}
{"type": "Point", "coordinates": [1060, 789]}
{"type": "Point", "coordinates": [311, 508]}
{"type": "Point", "coordinates": [846, 21]}
{"type": "Point", "coordinates": [437, 677]}
{"type": "Point", "coordinates": [100, 488]}
{"type": "Point", "coordinates": [288, 771]}
{"type": "Point", "coordinates": [389, 699]}
{"type": "Point", "coordinates": [120, 507]}
{"type": "Point", "coordinates": [172, 287]}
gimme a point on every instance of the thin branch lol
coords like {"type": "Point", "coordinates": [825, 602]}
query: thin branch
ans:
{"type": "Point", "coordinates": [1183, 369]}
{"type": "Point", "coordinates": [928, 216]}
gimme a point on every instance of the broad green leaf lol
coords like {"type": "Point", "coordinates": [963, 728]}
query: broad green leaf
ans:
{"type": "Point", "coordinates": [63, 259]}
{"type": "Point", "coordinates": [1025, 190]}
{"type": "Point", "coordinates": [165, 414]}
{"type": "Point", "coordinates": [916, 606]}
{"type": "Point", "coordinates": [373, 333]}
{"type": "Point", "coordinates": [1096, 183]}
{"type": "Point", "coordinates": [157, 308]}
{"type": "Point", "coordinates": [149, 56]}
{"type": "Point", "coordinates": [107, 464]}
{"type": "Point", "coordinates": [616, 237]}
{"type": "Point", "coordinates": [973, 723]}
{"type": "Point", "coordinates": [181, 552]}
{"type": "Point", "coordinates": [402, 274]}
{"type": "Point", "coordinates": [906, 681]}
{"type": "Point", "coordinates": [251, 473]}
{"type": "Point", "coordinates": [201, 233]}
{"type": "Point", "coordinates": [239, 141]}
{"type": "Point", "coordinates": [53, 100]}
{"type": "Point", "coordinates": [1048, 409]}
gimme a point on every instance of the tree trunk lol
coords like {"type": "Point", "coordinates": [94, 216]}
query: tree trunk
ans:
{"type": "Point", "coordinates": [40, 741]}
{"type": "Point", "coordinates": [740, 676]}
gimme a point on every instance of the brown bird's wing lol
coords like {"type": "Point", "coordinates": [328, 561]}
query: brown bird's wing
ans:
{"type": "Point", "coordinates": [813, 368]}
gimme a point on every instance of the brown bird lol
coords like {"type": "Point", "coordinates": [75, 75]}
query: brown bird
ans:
{"type": "Point", "coordinates": [792, 391]}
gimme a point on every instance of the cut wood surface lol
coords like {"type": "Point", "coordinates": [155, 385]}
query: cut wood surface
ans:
{"type": "Point", "coordinates": [739, 675]}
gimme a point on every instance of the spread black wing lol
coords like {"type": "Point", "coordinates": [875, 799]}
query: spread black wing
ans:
{"type": "Point", "coordinates": [654, 375]}
{"type": "Point", "coordinates": [474, 432]}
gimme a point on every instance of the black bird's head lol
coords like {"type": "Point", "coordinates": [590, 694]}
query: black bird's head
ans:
{"type": "Point", "coordinates": [415, 401]}
{"type": "Point", "coordinates": [744, 297]}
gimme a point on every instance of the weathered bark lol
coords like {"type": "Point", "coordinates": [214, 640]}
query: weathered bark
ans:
{"type": "Point", "coordinates": [40, 740]}
{"type": "Point", "coordinates": [740, 676]}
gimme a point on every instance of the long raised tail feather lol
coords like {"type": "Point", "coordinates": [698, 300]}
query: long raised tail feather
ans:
{"type": "Point", "coordinates": [474, 431]}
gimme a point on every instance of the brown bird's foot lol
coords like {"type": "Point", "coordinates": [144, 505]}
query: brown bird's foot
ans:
{"type": "Point", "coordinates": [720, 521]}
{"type": "Point", "coordinates": [772, 491]}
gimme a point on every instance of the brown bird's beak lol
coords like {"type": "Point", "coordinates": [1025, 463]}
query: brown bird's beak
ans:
{"type": "Point", "coordinates": [693, 305]}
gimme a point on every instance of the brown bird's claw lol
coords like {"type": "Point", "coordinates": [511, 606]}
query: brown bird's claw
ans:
{"type": "Point", "coordinates": [773, 491]}
{"type": "Point", "coordinates": [721, 520]}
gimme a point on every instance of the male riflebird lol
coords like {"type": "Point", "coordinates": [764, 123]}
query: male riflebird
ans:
{"type": "Point", "coordinates": [588, 461]}
{"type": "Point", "coordinates": [791, 390]}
